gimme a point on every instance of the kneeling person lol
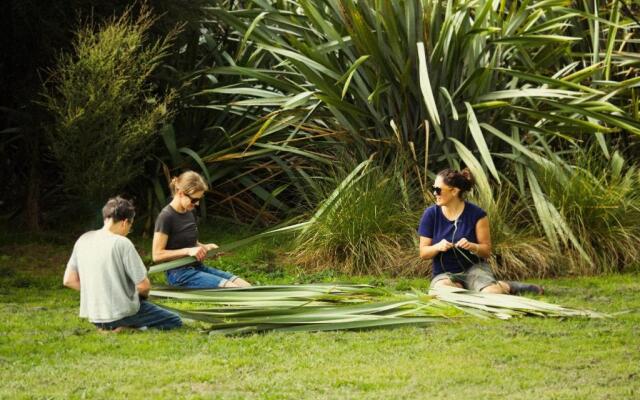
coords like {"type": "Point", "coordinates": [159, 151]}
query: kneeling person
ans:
{"type": "Point", "coordinates": [111, 277]}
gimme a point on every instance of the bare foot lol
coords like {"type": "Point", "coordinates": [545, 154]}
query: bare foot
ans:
{"type": "Point", "coordinates": [241, 282]}
{"type": "Point", "coordinates": [109, 331]}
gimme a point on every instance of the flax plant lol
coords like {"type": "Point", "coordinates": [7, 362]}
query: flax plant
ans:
{"type": "Point", "coordinates": [332, 307]}
{"type": "Point", "coordinates": [509, 88]}
{"type": "Point", "coordinates": [600, 201]}
{"type": "Point", "coordinates": [519, 249]}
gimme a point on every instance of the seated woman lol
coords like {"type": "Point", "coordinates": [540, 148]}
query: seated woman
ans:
{"type": "Point", "coordinates": [455, 234]}
{"type": "Point", "coordinates": [176, 236]}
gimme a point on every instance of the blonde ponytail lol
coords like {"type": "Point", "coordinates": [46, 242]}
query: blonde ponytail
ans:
{"type": "Point", "coordinates": [189, 182]}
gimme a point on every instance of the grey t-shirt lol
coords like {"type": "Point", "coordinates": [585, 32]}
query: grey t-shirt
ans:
{"type": "Point", "coordinates": [181, 228]}
{"type": "Point", "coordinates": [109, 268]}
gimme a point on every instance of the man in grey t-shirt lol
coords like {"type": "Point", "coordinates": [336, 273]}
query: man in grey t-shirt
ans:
{"type": "Point", "coordinates": [112, 279]}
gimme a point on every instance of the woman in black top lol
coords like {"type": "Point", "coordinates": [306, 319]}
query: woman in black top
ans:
{"type": "Point", "coordinates": [176, 236]}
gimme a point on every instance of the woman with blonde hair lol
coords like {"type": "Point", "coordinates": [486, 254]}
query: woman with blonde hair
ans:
{"type": "Point", "coordinates": [176, 236]}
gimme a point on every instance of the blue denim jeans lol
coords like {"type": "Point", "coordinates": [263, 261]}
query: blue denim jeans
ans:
{"type": "Point", "coordinates": [198, 276]}
{"type": "Point", "coordinates": [149, 315]}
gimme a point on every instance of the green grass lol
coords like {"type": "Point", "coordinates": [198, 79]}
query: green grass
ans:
{"type": "Point", "coordinates": [46, 351]}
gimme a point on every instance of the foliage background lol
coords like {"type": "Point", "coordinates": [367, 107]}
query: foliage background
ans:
{"type": "Point", "coordinates": [279, 104]}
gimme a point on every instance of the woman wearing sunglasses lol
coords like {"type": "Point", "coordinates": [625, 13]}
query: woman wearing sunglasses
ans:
{"type": "Point", "coordinates": [176, 236]}
{"type": "Point", "coordinates": [454, 233]}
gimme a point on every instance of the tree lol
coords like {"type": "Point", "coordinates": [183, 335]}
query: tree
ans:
{"type": "Point", "coordinates": [105, 110]}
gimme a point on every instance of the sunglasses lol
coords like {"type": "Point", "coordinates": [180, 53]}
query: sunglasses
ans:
{"type": "Point", "coordinates": [194, 201]}
{"type": "Point", "coordinates": [437, 190]}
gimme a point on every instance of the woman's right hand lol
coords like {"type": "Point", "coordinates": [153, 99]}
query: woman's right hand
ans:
{"type": "Point", "coordinates": [199, 252]}
{"type": "Point", "coordinates": [444, 245]}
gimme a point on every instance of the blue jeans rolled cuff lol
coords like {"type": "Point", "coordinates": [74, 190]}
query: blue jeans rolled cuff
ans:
{"type": "Point", "coordinates": [198, 276]}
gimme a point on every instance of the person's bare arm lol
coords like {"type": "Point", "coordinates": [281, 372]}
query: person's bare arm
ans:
{"type": "Point", "coordinates": [144, 287]}
{"type": "Point", "coordinates": [428, 250]}
{"type": "Point", "coordinates": [159, 252]}
{"type": "Point", "coordinates": [71, 279]}
{"type": "Point", "coordinates": [483, 247]}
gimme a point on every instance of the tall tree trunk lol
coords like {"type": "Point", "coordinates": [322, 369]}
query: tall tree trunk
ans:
{"type": "Point", "coordinates": [32, 206]}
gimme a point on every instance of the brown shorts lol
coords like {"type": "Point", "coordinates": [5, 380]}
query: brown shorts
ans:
{"type": "Point", "coordinates": [476, 278]}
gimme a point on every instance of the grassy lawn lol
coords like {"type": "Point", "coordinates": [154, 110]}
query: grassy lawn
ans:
{"type": "Point", "coordinates": [46, 351]}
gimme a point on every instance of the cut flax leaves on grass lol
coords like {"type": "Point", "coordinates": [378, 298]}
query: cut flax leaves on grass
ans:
{"type": "Point", "coordinates": [330, 307]}
{"type": "Point", "coordinates": [319, 307]}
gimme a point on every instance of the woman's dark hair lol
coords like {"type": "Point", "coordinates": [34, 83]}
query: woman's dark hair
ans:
{"type": "Point", "coordinates": [119, 209]}
{"type": "Point", "coordinates": [462, 180]}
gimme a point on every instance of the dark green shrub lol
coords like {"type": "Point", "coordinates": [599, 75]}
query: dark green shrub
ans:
{"type": "Point", "coordinates": [105, 112]}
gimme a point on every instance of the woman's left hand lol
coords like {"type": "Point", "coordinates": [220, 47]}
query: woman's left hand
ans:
{"type": "Point", "coordinates": [211, 246]}
{"type": "Point", "coordinates": [467, 245]}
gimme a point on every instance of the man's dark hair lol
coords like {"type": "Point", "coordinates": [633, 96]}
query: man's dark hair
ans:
{"type": "Point", "coordinates": [119, 209]}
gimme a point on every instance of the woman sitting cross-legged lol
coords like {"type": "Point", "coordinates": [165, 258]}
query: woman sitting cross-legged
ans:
{"type": "Point", "coordinates": [176, 236]}
{"type": "Point", "coordinates": [455, 235]}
